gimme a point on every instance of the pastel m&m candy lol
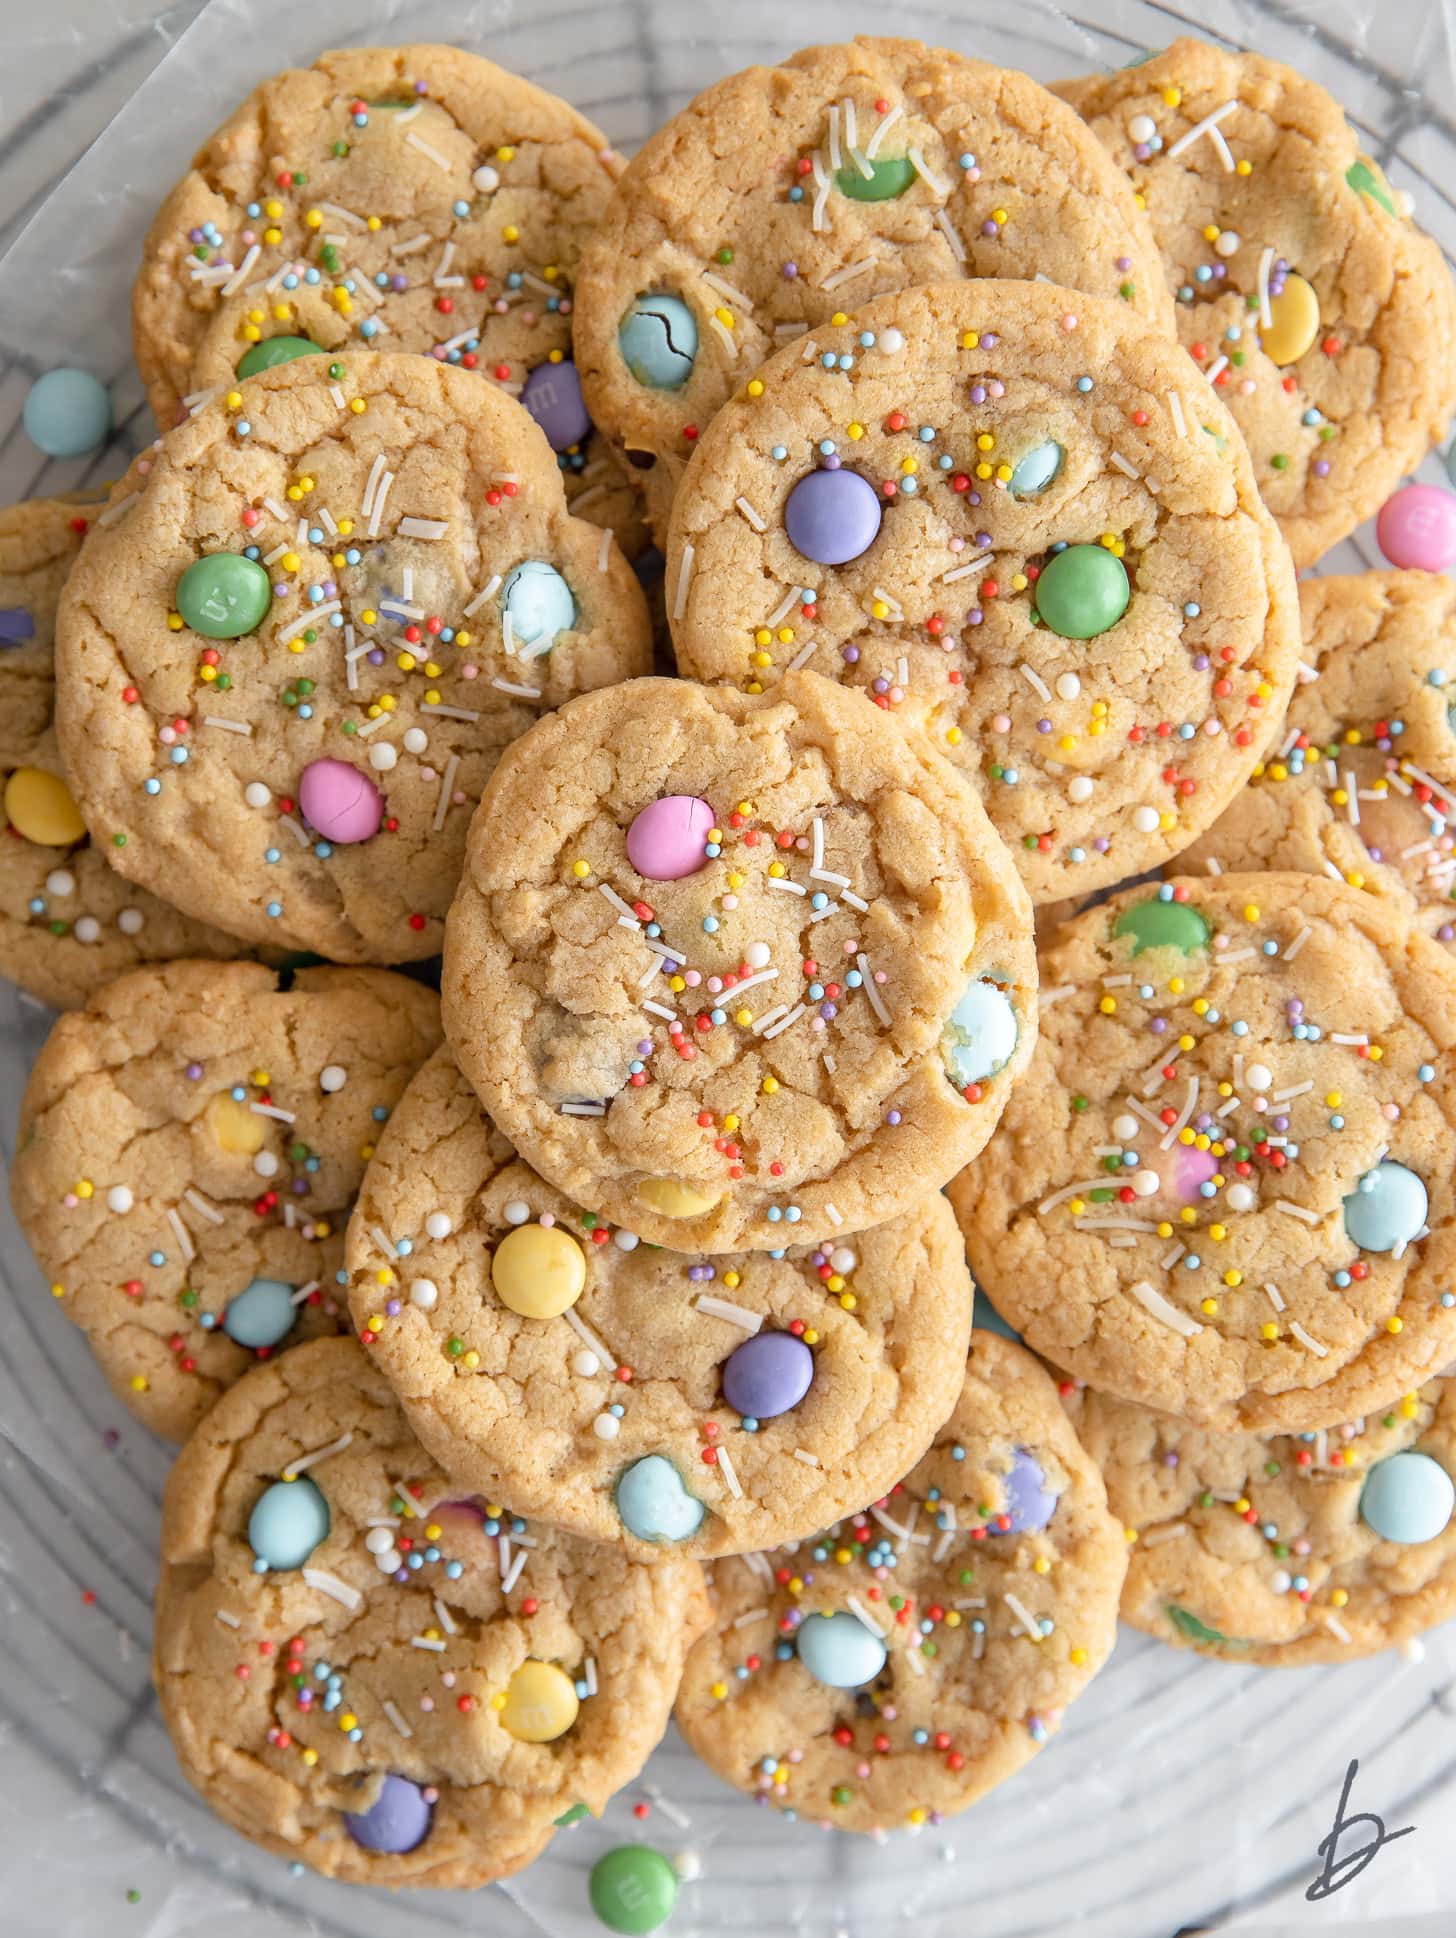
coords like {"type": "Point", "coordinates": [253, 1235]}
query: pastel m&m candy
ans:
{"type": "Point", "coordinates": [839, 1650]}
{"type": "Point", "coordinates": [1387, 1208]}
{"type": "Point", "coordinates": [832, 516]}
{"type": "Point", "coordinates": [767, 1375]}
{"type": "Point", "coordinates": [668, 839]}
{"type": "Point", "coordinates": [339, 802]}
{"type": "Point", "coordinates": [552, 395]}
{"type": "Point", "coordinates": [633, 1889]}
{"type": "Point", "coordinates": [1416, 528]}
{"type": "Point", "coordinates": [274, 350]}
{"type": "Point", "coordinates": [654, 1504]}
{"type": "Point", "coordinates": [288, 1521]}
{"type": "Point", "coordinates": [540, 1703]}
{"type": "Point", "coordinates": [1082, 591]}
{"type": "Point", "coordinates": [538, 1271]}
{"type": "Point", "coordinates": [261, 1314]}
{"type": "Point", "coordinates": [398, 1820]}
{"type": "Point", "coordinates": [658, 338]}
{"type": "Point", "coordinates": [223, 595]}
{"type": "Point", "coordinates": [538, 603]}
{"type": "Point", "coordinates": [67, 413]}
{"type": "Point", "coordinates": [39, 806]}
{"type": "Point", "coordinates": [1407, 1498]}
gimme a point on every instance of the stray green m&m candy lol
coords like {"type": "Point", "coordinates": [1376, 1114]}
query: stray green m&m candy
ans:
{"type": "Point", "coordinates": [633, 1889]}
{"type": "Point", "coordinates": [1082, 591]}
{"type": "Point", "coordinates": [222, 595]}
{"type": "Point", "coordinates": [276, 349]}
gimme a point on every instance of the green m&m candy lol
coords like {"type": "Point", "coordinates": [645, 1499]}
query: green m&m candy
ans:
{"type": "Point", "coordinates": [886, 180]}
{"type": "Point", "coordinates": [1082, 591]}
{"type": "Point", "coordinates": [633, 1889]}
{"type": "Point", "coordinates": [276, 349]}
{"type": "Point", "coordinates": [222, 595]}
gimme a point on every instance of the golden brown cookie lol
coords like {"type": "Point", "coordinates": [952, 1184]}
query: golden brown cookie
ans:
{"type": "Point", "coordinates": [781, 196]}
{"type": "Point", "coordinates": [1014, 517]}
{"type": "Point", "coordinates": [190, 1144]}
{"type": "Point", "coordinates": [323, 608]}
{"type": "Point", "coordinates": [1225, 1185]}
{"type": "Point", "coordinates": [362, 1672]}
{"type": "Point", "coordinates": [1304, 293]}
{"type": "Point", "coordinates": [1283, 1549]}
{"type": "Point", "coordinates": [733, 972]}
{"type": "Point", "coordinates": [1359, 783]}
{"type": "Point", "coordinates": [388, 198]}
{"type": "Point", "coordinates": [632, 1394]}
{"type": "Point", "coordinates": [68, 922]}
{"type": "Point", "coordinates": [901, 1665]}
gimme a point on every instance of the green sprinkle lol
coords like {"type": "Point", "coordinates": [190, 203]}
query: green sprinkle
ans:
{"type": "Point", "coordinates": [454, 1347]}
{"type": "Point", "coordinates": [572, 1816]}
{"type": "Point", "coordinates": [725, 255]}
{"type": "Point", "coordinates": [1196, 1631]}
{"type": "Point", "coordinates": [1127, 291]}
{"type": "Point", "coordinates": [1080, 1103]}
{"type": "Point", "coordinates": [188, 1298]}
{"type": "Point", "coordinates": [841, 1793]}
{"type": "Point", "coordinates": [1279, 461]}
{"type": "Point", "coordinates": [56, 928]}
{"type": "Point", "coordinates": [118, 841]}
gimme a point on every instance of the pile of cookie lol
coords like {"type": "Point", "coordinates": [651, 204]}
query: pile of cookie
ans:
{"type": "Point", "coordinates": [594, 1337]}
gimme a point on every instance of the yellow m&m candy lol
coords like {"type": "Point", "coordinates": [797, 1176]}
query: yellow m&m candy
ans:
{"type": "Point", "coordinates": [238, 1130]}
{"type": "Point", "coordinates": [39, 806]}
{"type": "Point", "coordinates": [540, 1703]}
{"type": "Point", "coordinates": [1294, 321]}
{"type": "Point", "coordinates": [675, 1198]}
{"type": "Point", "coordinates": [538, 1271]}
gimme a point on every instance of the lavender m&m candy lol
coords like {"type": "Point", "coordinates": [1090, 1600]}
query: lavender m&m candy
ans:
{"type": "Point", "coordinates": [339, 802]}
{"type": "Point", "coordinates": [1417, 527]}
{"type": "Point", "coordinates": [832, 516]}
{"type": "Point", "coordinates": [669, 838]}
{"type": "Point", "coordinates": [1029, 1504]}
{"type": "Point", "coordinates": [767, 1375]}
{"type": "Point", "coordinates": [552, 394]}
{"type": "Point", "coordinates": [397, 1821]}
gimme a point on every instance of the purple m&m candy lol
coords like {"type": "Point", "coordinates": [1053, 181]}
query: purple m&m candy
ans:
{"type": "Point", "coordinates": [669, 838]}
{"type": "Point", "coordinates": [767, 1375]}
{"type": "Point", "coordinates": [1028, 1504]}
{"type": "Point", "coordinates": [552, 394]}
{"type": "Point", "coordinates": [832, 516]}
{"type": "Point", "coordinates": [397, 1821]}
{"type": "Point", "coordinates": [1417, 528]}
{"type": "Point", "coordinates": [339, 802]}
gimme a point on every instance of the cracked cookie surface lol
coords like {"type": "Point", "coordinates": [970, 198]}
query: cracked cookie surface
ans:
{"type": "Point", "coordinates": [777, 1393]}
{"type": "Point", "coordinates": [1224, 1186]}
{"type": "Point", "coordinates": [415, 1689]}
{"type": "Point", "coordinates": [1359, 783]}
{"type": "Point", "coordinates": [323, 607]}
{"type": "Point", "coordinates": [734, 971]}
{"type": "Point", "coordinates": [68, 922]}
{"type": "Point", "coordinates": [1302, 289]}
{"type": "Point", "coordinates": [1014, 517]}
{"type": "Point", "coordinates": [405, 198]}
{"type": "Point", "coordinates": [1283, 1549]}
{"type": "Point", "coordinates": [897, 1668]}
{"type": "Point", "coordinates": [783, 195]}
{"type": "Point", "coordinates": [189, 1147]}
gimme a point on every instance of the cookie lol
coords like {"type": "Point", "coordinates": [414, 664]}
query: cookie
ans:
{"type": "Point", "coordinates": [400, 198]}
{"type": "Point", "coordinates": [290, 663]}
{"type": "Point", "coordinates": [781, 196]}
{"type": "Point", "coordinates": [1283, 1549]}
{"type": "Point", "coordinates": [190, 1144]}
{"type": "Point", "coordinates": [631, 1394]}
{"type": "Point", "coordinates": [1303, 292]}
{"type": "Point", "coordinates": [360, 1671]}
{"type": "Point", "coordinates": [1224, 1186]}
{"type": "Point", "coordinates": [1013, 517]}
{"type": "Point", "coordinates": [68, 922]}
{"type": "Point", "coordinates": [1360, 782]}
{"type": "Point", "coordinates": [897, 1668]}
{"type": "Point", "coordinates": [735, 971]}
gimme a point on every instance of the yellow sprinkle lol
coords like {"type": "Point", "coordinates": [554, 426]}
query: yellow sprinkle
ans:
{"type": "Point", "coordinates": [1251, 911]}
{"type": "Point", "coordinates": [719, 1689]}
{"type": "Point", "coordinates": [732, 1280]}
{"type": "Point", "coordinates": [1395, 1323]}
{"type": "Point", "coordinates": [1078, 1658]}
{"type": "Point", "coordinates": [511, 232]}
{"type": "Point", "coordinates": [310, 1757]}
{"type": "Point", "coordinates": [1173, 96]}
{"type": "Point", "coordinates": [953, 736]}
{"type": "Point", "coordinates": [1232, 1277]}
{"type": "Point", "coordinates": [1041, 1565]}
{"type": "Point", "coordinates": [139, 1382]}
{"type": "Point", "coordinates": [1243, 168]}
{"type": "Point", "coordinates": [174, 622]}
{"type": "Point", "coordinates": [1218, 1233]}
{"type": "Point", "coordinates": [1209, 1307]}
{"type": "Point", "coordinates": [856, 432]}
{"type": "Point", "coordinates": [233, 399]}
{"type": "Point", "coordinates": [85, 1188]}
{"type": "Point", "coordinates": [581, 869]}
{"type": "Point", "coordinates": [1108, 1005]}
{"type": "Point", "coordinates": [755, 388]}
{"type": "Point", "coordinates": [1000, 218]}
{"type": "Point", "coordinates": [1269, 1331]}
{"type": "Point", "coordinates": [970, 340]}
{"type": "Point", "coordinates": [770, 1086]}
{"type": "Point", "coordinates": [1339, 1596]}
{"type": "Point", "coordinates": [839, 317]}
{"type": "Point", "coordinates": [58, 1291]}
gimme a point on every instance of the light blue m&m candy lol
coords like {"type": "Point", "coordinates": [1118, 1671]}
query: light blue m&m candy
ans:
{"type": "Point", "coordinates": [539, 602]}
{"type": "Point", "coordinates": [659, 341]}
{"type": "Point", "coordinates": [654, 1504]}
{"type": "Point", "coordinates": [1032, 473]}
{"type": "Point", "coordinates": [1407, 1498]}
{"type": "Point", "coordinates": [980, 1033]}
{"type": "Point", "coordinates": [261, 1314]}
{"type": "Point", "coordinates": [839, 1650]}
{"type": "Point", "coordinates": [287, 1523]}
{"type": "Point", "coordinates": [67, 412]}
{"type": "Point", "coordinates": [1387, 1208]}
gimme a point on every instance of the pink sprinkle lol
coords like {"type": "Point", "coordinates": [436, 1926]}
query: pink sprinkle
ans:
{"type": "Point", "coordinates": [547, 1220]}
{"type": "Point", "coordinates": [1069, 322]}
{"type": "Point", "coordinates": [427, 1704]}
{"type": "Point", "coordinates": [1001, 722]}
{"type": "Point", "coordinates": [470, 672]}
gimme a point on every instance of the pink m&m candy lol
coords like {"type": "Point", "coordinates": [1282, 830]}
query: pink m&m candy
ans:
{"type": "Point", "coordinates": [667, 840]}
{"type": "Point", "coordinates": [339, 802]}
{"type": "Point", "coordinates": [1417, 527]}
